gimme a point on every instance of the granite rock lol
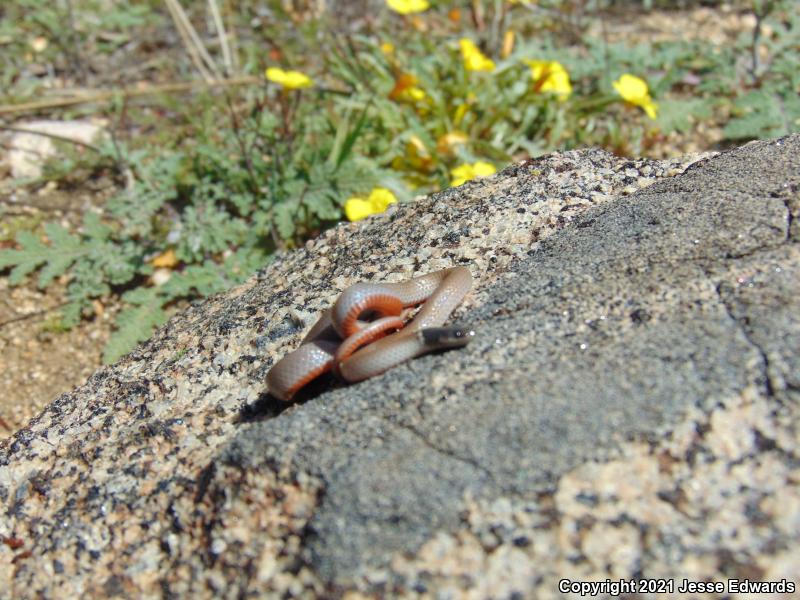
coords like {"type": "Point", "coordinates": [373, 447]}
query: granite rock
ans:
{"type": "Point", "coordinates": [629, 408]}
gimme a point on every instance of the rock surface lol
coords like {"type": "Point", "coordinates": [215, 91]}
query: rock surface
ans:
{"type": "Point", "coordinates": [34, 144]}
{"type": "Point", "coordinates": [630, 408]}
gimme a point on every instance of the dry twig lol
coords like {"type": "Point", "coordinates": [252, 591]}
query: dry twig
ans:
{"type": "Point", "coordinates": [227, 59]}
{"type": "Point", "coordinates": [107, 95]}
{"type": "Point", "coordinates": [194, 45]}
{"type": "Point", "coordinates": [53, 136]}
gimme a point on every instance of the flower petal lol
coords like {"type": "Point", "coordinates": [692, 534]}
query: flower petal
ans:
{"type": "Point", "coordinates": [289, 80]}
{"type": "Point", "coordinates": [381, 198]}
{"type": "Point", "coordinates": [378, 201]}
{"type": "Point", "coordinates": [484, 169]}
{"type": "Point", "coordinates": [407, 7]}
{"type": "Point", "coordinates": [634, 90]}
{"type": "Point", "coordinates": [550, 76]}
{"type": "Point", "coordinates": [474, 59]}
{"type": "Point", "coordinates": [356, 209]}
{"type": "Point", "coordinates": [463, 173]}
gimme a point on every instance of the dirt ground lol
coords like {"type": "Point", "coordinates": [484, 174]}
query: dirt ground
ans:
{"type": "Point", "coordinates": [38, 363]}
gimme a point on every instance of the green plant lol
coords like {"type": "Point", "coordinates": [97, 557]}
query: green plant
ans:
{"type": "Point", "coordinates": [768, 99]}
{"type": "Point", "coordinates": [220, 205]}
{"type": "Point", "coordinates": [202, 205]}
{"type": "Point", "coordinates": [69, 35]}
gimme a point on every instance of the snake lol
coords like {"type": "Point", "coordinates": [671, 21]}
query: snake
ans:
{"type": "Point", "coordinates": [365, 332]}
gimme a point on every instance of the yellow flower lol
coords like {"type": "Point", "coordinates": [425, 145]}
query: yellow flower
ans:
{"type": "Point", "coordinates": [462, 108]}
{"type": "Point", "coordinates": [461, 111]}
{"type": "Point", "coordinates": [387, 48]}
{"type": "Point", "coordinates": [289, 80]}
{"type": "Point", "coordinates": [359, 208]}
{"type": "Point", "coordinates": [474, 59]}
{"type": "Point", "coordinates": [405, 89]}
{"type": "Point", "coordinates": [447, 143]}
{"type": "Point", "coordinates": [407, 7]}
{"type": "Point", "coordinates": [634, 91]}
{"type": "Point", "coordinates": [167, 260]}
{"type": "Point", "coordinates": [508, 43]}
{"type": "Point", "coordinates": [466, 172]}
{"type": "Point", "coordinates": [417, 155]}
{"type": "Point", "coordinates": [550, 76]}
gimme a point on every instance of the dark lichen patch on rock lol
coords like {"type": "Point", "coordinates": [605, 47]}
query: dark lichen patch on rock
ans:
{"type": "Point", "coordinates": [560, 376]}
{"type": "Point", "coordinates": [631, 318]}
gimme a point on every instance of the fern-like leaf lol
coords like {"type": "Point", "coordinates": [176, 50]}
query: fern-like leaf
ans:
{"type": "Point", "coordinates": [54, 258]}
{"type": "Point", "coordinates": [136, 323]}
{"type": "Point", "coordinates": [196, 280]}
{"type": "Point", "coordinates": [284, 218]}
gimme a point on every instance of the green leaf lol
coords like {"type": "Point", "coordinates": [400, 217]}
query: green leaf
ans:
{"type": "Point", "coordinates": [283, 217]}
{"type": "Point", "coordinates": [196, 280]}
{"type": "Point", "coordinates": [94, 227]}
{"type": "Point", "coordinates": [136, 323]}
{"type": "Point", "coordinates": [208, 229]}
{"type": "Point", "coordinates": [26, 260]}
{"type": "Point", "coordinates": [71, 314]}
{"type": "Point", "coordinates": [762, 113]}
{"type": "Point", "coordinates": [676, 115]}
{"type": "Point", "coordinates": [54, 258]}
{"type": "Point", "coordinates": [342, 150]}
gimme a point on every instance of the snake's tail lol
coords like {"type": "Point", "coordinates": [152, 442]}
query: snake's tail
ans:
{"type": "Point", "coordinates": [299, 368]}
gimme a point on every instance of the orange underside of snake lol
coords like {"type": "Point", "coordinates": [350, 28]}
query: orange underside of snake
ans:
{"type": "Point", "coordinates": [366, 332]}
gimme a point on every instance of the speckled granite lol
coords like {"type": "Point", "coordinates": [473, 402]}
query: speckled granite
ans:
{"type": "Point", "coordinates": [630, 408]}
